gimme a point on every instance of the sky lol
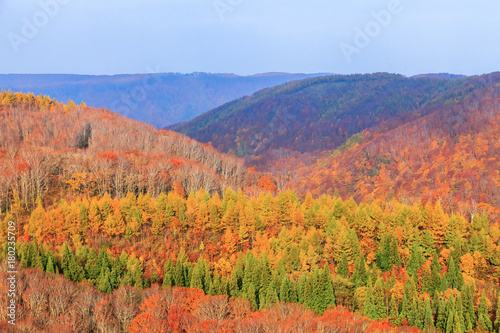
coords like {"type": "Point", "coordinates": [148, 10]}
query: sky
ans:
{"type": "Point", "coordinates": [105, 37]}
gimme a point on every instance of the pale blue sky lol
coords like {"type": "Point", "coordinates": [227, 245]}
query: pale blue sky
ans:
{"type": "Point", "coordinates": [249, 36]}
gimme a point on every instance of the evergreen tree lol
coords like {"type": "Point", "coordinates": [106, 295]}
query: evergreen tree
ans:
{"type": "Point", "coordinates": [92, 269]}
{"type": "Point", "coordinates": [250, 296]}
{"type": "Point", "coordinates": [428, 245]}
{"type": "Point", "coordinates": [368, 310]}
{"type": "Point", "coordinates": [443, 286]}
{"type": "Point", "coordinates": [328, 292]}
{"type": "Point", "coordinates": [178, 279]}
{"type": "Point", "coordinates": [416, 259]}
{"type": "Point", "coordinates": [295, 258]}
{"type": "Point", "coordinates": [450, 320]}
{"type": "Point", "coordinates": [271, 295]}
{"type": "Point", "coordinates": [441, 316]}
{"type": "Point", "coordinates": [50, 265]}
{"type": "Point", "coordinates": [460, 312]}
{"type": "Point", "coordinates": [436, 271]}
{"type": "Point", "coordinates": [168, 273]}
{"type": "Point", "coordinates": [497, 317]}
{"type": "Point", "coordinates": [427, 283]}
{"type": "Point", "coordinates": [394, 253]}
{"type": "Point", "coordinates": [301, 289]}
{"type": "Point", "coordinates": [378, 309]}
{"type": "Point", "coordinates": [394, 318]}
{"type": "Point", "coordinates": [285, 290]}
{"type": "Point", "coordinates": [382, 257]}
{"type": "Point", "coordinates": [308, 291]}
{"type": "Point", "coordinates": [483, 317]}
{"type": "Point", "coordinates": [103, 281]}
{"type": "Point", "coordinates": [234, 290]}
{"type": "Point", "coordinates": [343, 268]}
{"type": "Point", "coordinates": [428, 316]}
{"type": "Point", "coordinates": [360, 277]}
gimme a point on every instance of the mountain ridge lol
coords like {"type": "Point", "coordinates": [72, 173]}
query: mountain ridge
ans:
{"type": "Point", "coordinates": [159, 99]}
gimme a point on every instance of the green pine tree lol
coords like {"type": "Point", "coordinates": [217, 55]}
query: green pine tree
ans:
{"type": "Point", "coordinates": [394, 317]}
{"type": "Point", "coordinates": [343, 267]}
{"type": "Point", "coordinates": [484, 320]}
{"type": "Point", "coordinates": [360, 277]}
{"type": "Point", "coordinates": [168, 274]}
{"type": "Point", "coordinates": [50, 265]}
{"type": "Point", "coordinates": [428, 316]}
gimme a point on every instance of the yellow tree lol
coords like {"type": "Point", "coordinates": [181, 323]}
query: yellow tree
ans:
{"type": "Point", "coordinates": [37, 221]}
{"type": "Point", "coordinates": [115, 224]}
{"type": "Point", "coordinates": [436, 221]}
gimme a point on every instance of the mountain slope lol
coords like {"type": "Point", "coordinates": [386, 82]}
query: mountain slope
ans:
{"type": "Point", "coordinates": [318, 114]}
{"type": "Point", "coordinates": [159, 99]}
{"type": "Point", "coordinates": [47, 146]}
{"type": "Point", "coordinates": [451, 155]}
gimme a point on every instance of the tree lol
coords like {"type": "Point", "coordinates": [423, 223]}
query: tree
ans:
{"type": "Point", "coordinates": [360, 277]}
{"type": "Point", "coordinates": [343, 267]}
{"type": "Point", "coordinates": [483, 317]}
{"type": "Point", "coordinates": [394, 317]}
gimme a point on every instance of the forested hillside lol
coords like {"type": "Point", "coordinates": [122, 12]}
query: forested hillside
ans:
{"type": "Point", "coordinates": [451, 155]}
{"type": "Point", "coordinates": [318, 114]}
{"type": "Point", "coordinates": [50, 150]}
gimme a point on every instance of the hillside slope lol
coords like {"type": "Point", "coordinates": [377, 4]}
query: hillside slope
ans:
{"type": "Point", "coordinates": [47, 146]}
{"type": "Point", "coordinates": [318, 114]}
{"type": "Point", "coordinates": [451, 155]}
{"type": "Point", "coordinates": [159, 99]}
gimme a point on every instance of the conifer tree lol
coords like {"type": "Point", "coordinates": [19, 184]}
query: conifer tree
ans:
{"type": "Point", "coordinates": [196, 277]}
{"type": "Point", "coordinates": [483, 317]}
{"type": "Point", "coordinates": [271, 295]}
{"type": "Point", "coordinates": [50, 265]}
{"type": "Point", "coordinates": [360, 277]}
{"type": "Point", "coordinates": [497, 317]}
{"type": "Point", "coordinates": [428, 316]}
{"type": "Point", "coordinates": [285, 290]}
{"type": "Point", "coordinates": [168, 273]}
{"type": "Point", "coordinates": [427, 283]}
{"type": "Point", "coordinates": [378, 309]}
{"type": "Point", "coordinates": [251, 297]}
{"type": "Point", "coordinates": [441, 316]}
{"type": "Point", "coordinates": [104, 284]}
{"type": "Point", "coordinates": [368, 305]}
{"type": "Point", "coordinates": [178, 279]}
{"type": "Point", "coordinates": [394, 318]}
{"type": "Point", "coordinates": [343, 268]}
{"type": "Point", "coordinates": [328, 292]}
{"type": "Point", "coordinates": [460, 312]}
{"type": "Point", "coordinates": [436, 271]}
{"type": "Point", "coordinates": [92, 269]}
{"type": "Point", "coordinates": [450, 320]}
{"type": "Point", "coordinates": [416, 259]}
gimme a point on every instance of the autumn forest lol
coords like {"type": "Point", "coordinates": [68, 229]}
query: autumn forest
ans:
{"type": "Point", "coordinates": [371, 203]}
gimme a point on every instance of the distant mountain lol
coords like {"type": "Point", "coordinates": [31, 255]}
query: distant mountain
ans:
{"type": "Point", "coordinates": [318, 114]}
{"type": "Point", "coordinates": [159, 99]}
{"type": "Point", "coordinates": [440, 76]}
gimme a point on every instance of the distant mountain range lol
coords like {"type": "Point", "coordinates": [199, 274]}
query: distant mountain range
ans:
{"type": "Point", "coordinates": [159, 99]}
